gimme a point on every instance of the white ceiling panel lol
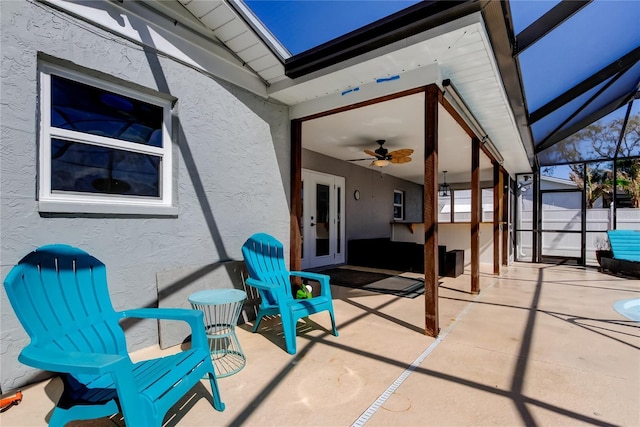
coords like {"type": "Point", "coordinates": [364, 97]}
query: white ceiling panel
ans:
{"type": "Point", "coordinates": [200, 8]}
{"type": "Point", "coordinates": [243, 40]}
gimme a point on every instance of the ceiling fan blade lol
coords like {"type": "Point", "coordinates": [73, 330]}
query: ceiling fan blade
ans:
{"type": "Point", "coordinates": [371, 153]}
{"type": "Point", "coordinates": [400, 160]}
{"type": "Point", "coordinates": [401, 153]}
{"type": "Point", "coordinates": [359, 160]}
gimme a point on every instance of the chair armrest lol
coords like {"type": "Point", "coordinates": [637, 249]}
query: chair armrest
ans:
{"type": "Point", "coordinates": [73, 362]}
{"type": "Point", "coordinates": [323, 279]}
{"type": "Point", "coordinates": [261, 285]}
{"type": "Point", "coordinates": [195, 319]}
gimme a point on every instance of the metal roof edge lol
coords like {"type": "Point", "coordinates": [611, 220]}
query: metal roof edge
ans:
{"type": "Point", "coordinates": [401, 25]}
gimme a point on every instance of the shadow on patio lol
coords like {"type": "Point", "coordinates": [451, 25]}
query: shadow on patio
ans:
{"type": "Point", "coordinates": [541, 345]}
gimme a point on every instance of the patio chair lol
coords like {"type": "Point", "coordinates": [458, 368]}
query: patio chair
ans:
{"type": "Point", "coordinates": [625, 247]}
{"type": "Point", "coordinates": [60, 296]}
{"type": "Point", "coordinates": [264, 257]}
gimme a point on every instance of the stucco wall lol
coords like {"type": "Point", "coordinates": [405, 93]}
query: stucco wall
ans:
{"type": "Point", "coordinates": [231, 156]}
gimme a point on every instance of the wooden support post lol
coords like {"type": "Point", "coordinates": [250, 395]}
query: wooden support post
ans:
{"type": "Point", "coordinates": [497, 216]}
{"type": "Point", "coordinates": [295, 247]}
{"type": "Point", "coordinates": [506, 185]}
{"type": "Point", "coordinates": [432, 94]}
{"type": "Point", "coordinates": [475, 216]}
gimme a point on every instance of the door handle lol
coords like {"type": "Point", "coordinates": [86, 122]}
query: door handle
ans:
{"type": "Point", "coordinates": [312, 224]}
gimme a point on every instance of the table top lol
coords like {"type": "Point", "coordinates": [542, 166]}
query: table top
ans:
{"type": "Point", "coordinates": [217, 296]}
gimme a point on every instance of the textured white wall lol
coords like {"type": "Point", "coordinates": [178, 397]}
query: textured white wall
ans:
{"type": "Point", "coordinates": [231, 170]}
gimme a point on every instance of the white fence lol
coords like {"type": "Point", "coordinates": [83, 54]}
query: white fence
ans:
{"type": "Point", "coordinates": [555, 243]}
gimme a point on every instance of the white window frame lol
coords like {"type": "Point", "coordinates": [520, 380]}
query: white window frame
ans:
{"type": "Point", "coordinates": [400, 205]}
{"type": "Point", "coordinates": [72, 202]}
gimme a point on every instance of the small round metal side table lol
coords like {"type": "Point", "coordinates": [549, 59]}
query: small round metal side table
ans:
{"type": "Point", "coordinates": [221, 308]}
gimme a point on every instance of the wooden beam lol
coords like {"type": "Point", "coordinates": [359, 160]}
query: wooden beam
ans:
{"type": "Point", "coordinates": [475, 216]}
{"type": "Point", "coordinates": [497, 216]}
{"type": "Point", "coordinates": [432, 96]}
{"type": "Point", "coordinates": [506, 202]}
{"type": "Point", "coordinates": [295, 247]}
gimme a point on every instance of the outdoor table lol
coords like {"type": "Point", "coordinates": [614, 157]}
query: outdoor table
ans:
{"type": "Point", "coordinates": [221, 308]}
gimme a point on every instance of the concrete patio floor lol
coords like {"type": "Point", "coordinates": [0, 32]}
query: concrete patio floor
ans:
{"type": "Point", "coordinates": [540, 345]}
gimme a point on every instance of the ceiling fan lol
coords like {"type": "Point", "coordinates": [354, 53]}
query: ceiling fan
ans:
{"type": "Point", "coordinates": [382, 157]}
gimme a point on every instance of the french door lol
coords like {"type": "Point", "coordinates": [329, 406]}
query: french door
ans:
{"type": "Point", "coordinates": [322, 219]}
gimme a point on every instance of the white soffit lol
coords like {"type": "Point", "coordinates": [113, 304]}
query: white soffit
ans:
{"type": "Point", "coordinates": [231, 30]}
{"type": "Point", "coordinates": [462, 54]}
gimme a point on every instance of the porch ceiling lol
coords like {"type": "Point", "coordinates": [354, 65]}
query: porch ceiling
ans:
{"type": "Point", "coordinates": [458, 50]}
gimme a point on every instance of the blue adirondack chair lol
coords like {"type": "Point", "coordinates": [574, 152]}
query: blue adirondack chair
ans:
{"type": "Point", "coordinates": [264, 257]}
{"type": "Point", "coordinates": [625, 244]}
{"type": "Point", "coordinates": [60, 296]}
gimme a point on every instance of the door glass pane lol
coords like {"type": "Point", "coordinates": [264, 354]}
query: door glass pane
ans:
{"type": "Point", "coordinates": [322, 219]}
{"type": "Point", "coordinates": [302, 219]}
{"type": "Point", "coordinates": [338, 220]}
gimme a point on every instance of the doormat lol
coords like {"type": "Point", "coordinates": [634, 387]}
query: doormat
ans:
{"type": "Point", "coordinates": [375, 282]}
{"type": "Point", "coordinates": [396, 285]}
{"type": "Point", "coordinates": [352, 278]}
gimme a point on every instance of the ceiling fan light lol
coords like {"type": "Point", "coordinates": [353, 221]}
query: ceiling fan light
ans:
{"type": "Point", "coordinates": [381, 163]}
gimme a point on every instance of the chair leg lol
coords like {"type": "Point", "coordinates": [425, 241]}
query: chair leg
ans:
{"type": "Point", "coordinates": [258, 320]}
{"type": "Point", "coordinates": [65, 411]}
{"type": "Point", "coordinates": [215, 392]}
{"type": "Point", "coordinates": [333, 323]}
{"type": "Point", "coordinates": [289, 330]}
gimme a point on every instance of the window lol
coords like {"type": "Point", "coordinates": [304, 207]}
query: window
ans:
{"type": "Point", "coordinates": [104, 148]}
{"type": "Point", "coordinates": [444, 207]}
{"type": "Point", "coordinates": [461, 205]}
{"type": "Point", "coordinates": [398, 205]}
{"type": "Point", "coordinates": [461, 201]}
{"type": "Point", "coordinates": [487, 205]}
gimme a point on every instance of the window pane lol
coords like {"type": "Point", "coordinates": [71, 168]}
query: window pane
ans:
{"type": "Point", "coordinates": [487, 205]}
{"type": "Point", "coordinates": [462, 206]}
{"type": "Point", "coordinates": [397, 197]}
{"type": "Point", "coordinates": [444, 208]}
{"type": "Point", "coordinates": [397, 212]}
{"type": "Point", "coordinates": [398, 204]}
{"type": "Point", "coordinates": [78, 107]}
{"type": "Point", "coordinates": [93, 169]}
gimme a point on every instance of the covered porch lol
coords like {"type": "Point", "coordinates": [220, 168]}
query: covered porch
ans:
{"type": "Point", "coordinates": [553, 350]}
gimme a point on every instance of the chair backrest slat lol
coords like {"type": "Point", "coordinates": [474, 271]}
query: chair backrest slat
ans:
{"type": "Point", "coordinates": [60, 296]}
{"type": "Point", "coordinates": [264, 256]}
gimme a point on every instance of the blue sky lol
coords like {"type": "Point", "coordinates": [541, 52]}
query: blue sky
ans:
{"type": "Point", "coordinates": [302, 24]}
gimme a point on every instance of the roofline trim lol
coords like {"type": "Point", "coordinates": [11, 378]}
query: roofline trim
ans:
{"type": "Point", "coordinates": [401, 25]}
